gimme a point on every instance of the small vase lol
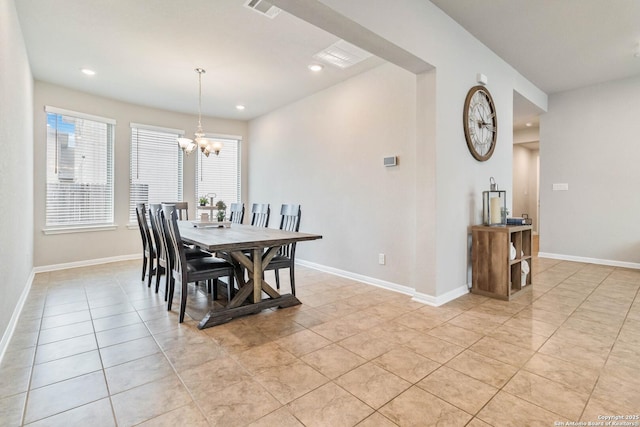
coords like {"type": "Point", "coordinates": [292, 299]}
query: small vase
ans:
{"type": "Point", "coordinates": [512, 252]}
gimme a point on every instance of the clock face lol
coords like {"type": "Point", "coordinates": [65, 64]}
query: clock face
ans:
{"type": "Point", "coordinates": [480, 123]}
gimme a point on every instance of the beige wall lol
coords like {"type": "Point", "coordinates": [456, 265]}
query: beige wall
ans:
{"type": "Point", "coordinates": [525, 183]}
{"type": "Point", "coordinates": [76, 247]}
{"type": "Point", "coordinates": [589, 140]}
{"type": "Point", "coordinates": [16, 167]}
{"type": "Point", "coordinates": [326, 153]}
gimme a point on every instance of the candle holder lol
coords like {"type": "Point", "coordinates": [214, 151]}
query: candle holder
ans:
{"type": "Point", "coordinates": [494, 207]}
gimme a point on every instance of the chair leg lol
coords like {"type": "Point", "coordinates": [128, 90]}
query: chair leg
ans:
{"type": "Point", "coordinates": [152, 270]}
{"type": "Point", "coordinates": [277, 279]}
{"type": "Point", "coordinates": [144, 265]}
{"type": "Point", "coordinates": [172, 287]}
{"type": "Point", "coordinates": [183, 299]}
{"type": "Point", "coordinates": [292, 278]}
{"type": "Point", "coordinates": [160, 272]}
{"type": "Point", "coordinates": [214, 285]}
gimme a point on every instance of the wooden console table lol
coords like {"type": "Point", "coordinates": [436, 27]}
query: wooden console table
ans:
{"type": "Point", "coordinates": [494, 273]}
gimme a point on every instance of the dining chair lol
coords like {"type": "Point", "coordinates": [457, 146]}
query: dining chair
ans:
{"type": "Point", "coordinates": [260, 213]}
{"type": "Point", "coordinates": [149, 254]}
{"type": "Point", "coordinates": [182, 208]}
{"type": "Point", "coordinates": [236, 213]}
{"type": "Point", "coordinates": [189, 271]}
{"type": "Point", "coordinates": [290, 221]}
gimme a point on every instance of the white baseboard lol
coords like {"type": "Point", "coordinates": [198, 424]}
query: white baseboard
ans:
{"type": "Point", "coordinates": [586, 260]}
{"type": "Point", "coordinates": [11, 327]}
{"type": "Point", "coordinates": [417, 296]}
{"type": "Point", "coordinates": [359, 277]}
{"type": "Point", "coordinates": [86, 263]}
{"type": "Point", "coordinates": [442, 299]}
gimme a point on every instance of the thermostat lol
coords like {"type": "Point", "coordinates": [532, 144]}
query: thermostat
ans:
{"type": "Point", "coordinates": [390, 161]}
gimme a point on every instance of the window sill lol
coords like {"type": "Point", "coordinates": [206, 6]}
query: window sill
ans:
{"type": "Point", "coordinates": [82, 229]}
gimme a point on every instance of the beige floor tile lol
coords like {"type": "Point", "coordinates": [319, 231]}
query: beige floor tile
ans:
{"type": "Point", "coordinates": [329, 405]}
{"type": "Point", "coordinates": [137, 372]}
{"type": "Point", "coordinates": [116, 321]}
{"type": "Point", "coordinates": [66, 368]}
{"type": "Point", "coordinates": [488, 370]}
{"type": "Point", "coordinates": [61, 309]}
{"type": "Point", "coordinates": [111, 310]}
{"type": "Point", "coordinates": [555, 318]}
{"type": "Point", "coordinates": [14, 380]}
{"type": "Point", "coordinates": [508, 410]}
{"type": "Point", "coordinates": [475, 323]}
{"type": "Point", "coordinates": [455, 335]}
{"type": "Point", "coordinates": [434, 348]}
{"type": "Point", "coordinates": [150, 400]}
{"type": "Point", "coordinates": [12, 408]}
{"type": "Point", "coordinates": [95, 414]}
{"type": "Point", "coordinates": [502, 351]}
{"type": "Point", "coordinates": [24, 340]}
{"type": "Point", "coordinates": [188, 415]}
{"type": "Point", "coordinates": [406, 364]}
{"type": "Point", "coordinates": [518, 337]}
{"type": "Point", "coordinates": [376, 420]}
{"type": "Point", "coordinates": [589, 358]}
{"type": "Point", "coordinates": [65, 319]}
{"type": "Point", "coordinates": [120, 335]}
{"type": "Point", "coordinates": [624, 353]}
{"type": "Point", "coordinates": [371, 343]}
{"type": "Point", "coordinates": [372, 384]}
{"type": "Point", "coordinates": [280, 418]}
{"type": "Point", "coordinates": [477, 422]}
{"type": "Point", "coordinates": [578, 378]}
{"type": "Point", "coordinates": [548, 394]}
{"type": "Point", "coordinates": [303, 342]}
{"type": "Point", "coordinates": [128, 351]}
{"type": "Point", "coordinates": [618, 384]}
{"type": "Point", "coordinates": [333, 360]}
{"type": "Point", "coordinates": [65, 395]}
{"type": "Point", "coordinates": [289, 381]}
{"type": "Point", "coordinates": [416, 407]}
{"type": "Point", "coordinates": [532, 326]}
{"type": "Point", "coordinates": [213, 376]}
{"type": "Point", "coordinates": [65, 332]}
{"type": "Point", "coordinates": [264, 356]}
{"type": "Point", "coordinates": [458, 389]}
{"type": "Point", "coordinates": [418, 321]}
{"type": "Point", "coordinates": [232, 407]}
{"type": "Point", "coordinates": [65, 348]}
{"type": "Point", "coordinates": [575, 337]}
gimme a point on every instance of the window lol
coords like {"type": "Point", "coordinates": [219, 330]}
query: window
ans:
{"type": "Point", "coordinates": [156, 166]}
{"type": "Point", "coordinates": [79, 169]}
{"type": "Point", "coordinates": [220, 174]}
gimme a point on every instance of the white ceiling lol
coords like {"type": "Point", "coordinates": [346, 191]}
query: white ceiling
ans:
{"type": "Point", "coordinates": [558, 45]}
{"type": "Point", "coordinates": [145, 52]}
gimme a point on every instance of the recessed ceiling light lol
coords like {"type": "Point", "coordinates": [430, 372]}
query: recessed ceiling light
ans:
{"type": "Point", "coordinates": [239, 107]}
{"type": "Point", "coordinates": [528, 124]}
{"type": "Point", "coordinates": [88, 72]}
{"type": "Point", "coordinates": [315, 67]}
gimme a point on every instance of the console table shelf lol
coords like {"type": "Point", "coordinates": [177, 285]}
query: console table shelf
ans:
{"type": "Point", "coordinates": [494, 273]}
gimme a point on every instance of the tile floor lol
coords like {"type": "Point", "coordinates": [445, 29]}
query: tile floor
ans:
{"type": "Point", "coordinates": [94, 346]}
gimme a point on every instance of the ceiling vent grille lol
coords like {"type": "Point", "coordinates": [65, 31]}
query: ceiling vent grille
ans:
{"type": "Point", "coordinates": [263, 7]}
{"type": "Point", "coordinates": [342, 54]}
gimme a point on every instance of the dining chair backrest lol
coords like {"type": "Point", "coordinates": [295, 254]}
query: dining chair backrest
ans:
{"type": "Point", "coordinates": [174, 241]}
{"type": "Point", "coordinates": [260, 213]}
{"type": "Point", "coordinates": [182, 209]}
{"type": "Point", "coordinates": [141, 214]}
{"type": "Point", "coordinates": [156, 230]}
{"type": "Point", "coordinates": [237, 213]}
{"type": "Point", "coordinates": [290, 215]}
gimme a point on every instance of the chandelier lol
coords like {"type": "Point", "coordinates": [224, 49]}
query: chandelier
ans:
{"type": "Point", "coordinates": [207, 146]}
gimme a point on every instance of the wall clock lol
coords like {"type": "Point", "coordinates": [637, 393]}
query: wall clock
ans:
{"type": "Point", "coordinates": [480, 123]}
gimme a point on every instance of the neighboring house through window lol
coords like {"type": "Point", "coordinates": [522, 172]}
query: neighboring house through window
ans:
{"type": "Point", "coordinates": [79, 169]}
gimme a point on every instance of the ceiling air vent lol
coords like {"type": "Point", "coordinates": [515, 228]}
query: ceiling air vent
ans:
{"type": "Point", "coordinates": [342, 54]}
{"type": "Point", "coordinates": [263, 7]}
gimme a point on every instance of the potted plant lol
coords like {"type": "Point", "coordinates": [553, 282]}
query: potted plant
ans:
{"type": "Point", "coordinates": [204, 201]}
{"type": "Point", "coordinates": [221, 206]}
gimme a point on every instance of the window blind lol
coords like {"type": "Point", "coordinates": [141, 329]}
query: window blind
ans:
{"type": "Point", "coordinates": [220, 174]}
{"type": "Point", "coordinates": [155, 168]}
{"type": "Point", "coordinates": [79, 169]}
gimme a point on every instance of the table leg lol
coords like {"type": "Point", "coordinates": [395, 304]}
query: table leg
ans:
{"type": "Point", "coordinates": [257, 275]}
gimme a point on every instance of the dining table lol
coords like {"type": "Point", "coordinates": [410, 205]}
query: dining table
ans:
{"type": "Point", "coordinates": [249, 249]}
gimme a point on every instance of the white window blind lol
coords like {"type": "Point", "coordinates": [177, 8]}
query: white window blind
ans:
{"type": "Point", "coordinates": [220, 174]}
{"type": "Point", "coordinates": [79, 169]}
{"type": "Point", "coordinates": [156, 166]}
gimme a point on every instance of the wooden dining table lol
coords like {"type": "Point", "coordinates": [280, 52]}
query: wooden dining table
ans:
{"type": "Point", "coordinates": [235, 242]}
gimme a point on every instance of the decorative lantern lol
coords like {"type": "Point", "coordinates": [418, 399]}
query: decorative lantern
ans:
{"type": "Point", "coordinates": [494, 205]}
